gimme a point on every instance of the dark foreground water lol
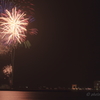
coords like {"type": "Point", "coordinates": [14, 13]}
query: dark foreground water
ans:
{"type": "Point", "coordinates": [25, 95]}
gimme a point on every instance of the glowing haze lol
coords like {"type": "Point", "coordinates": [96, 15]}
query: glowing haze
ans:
{"type": "Point", "coordinates": [4, 49]}
{"type": "Point", "coordinates": [13, 26]}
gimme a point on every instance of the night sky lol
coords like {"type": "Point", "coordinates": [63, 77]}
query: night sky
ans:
{"type": "Point", "coordinates": [66, 49]}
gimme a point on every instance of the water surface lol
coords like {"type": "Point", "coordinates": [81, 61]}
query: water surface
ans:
{"type": "Point", "coordinates": [29, 95]}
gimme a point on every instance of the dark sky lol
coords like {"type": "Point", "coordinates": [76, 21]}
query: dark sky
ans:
{"type": "Point", "coordinates": [66, 49]}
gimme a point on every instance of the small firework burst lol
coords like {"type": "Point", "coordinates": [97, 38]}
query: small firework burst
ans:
{"type": "Point", "coordinates": [7, 70]}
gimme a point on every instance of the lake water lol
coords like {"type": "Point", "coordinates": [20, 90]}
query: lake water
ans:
{"type": "Point", "coordinates": [26, 95]}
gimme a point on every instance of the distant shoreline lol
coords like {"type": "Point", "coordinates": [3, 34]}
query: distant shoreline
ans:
{"type": "Point", "coordinates": [34, 90]}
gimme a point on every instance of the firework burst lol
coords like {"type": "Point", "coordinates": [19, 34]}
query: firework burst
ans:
{"type": "Point", "coordinates": [13, 26]}
{"type": "Point", "coordinates": [7, 70]}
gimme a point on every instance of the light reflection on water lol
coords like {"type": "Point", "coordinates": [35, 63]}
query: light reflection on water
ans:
{"type": "Point", "coordinates": [16, 95]}
{"type": "Point", "coordinates": [30, 95]}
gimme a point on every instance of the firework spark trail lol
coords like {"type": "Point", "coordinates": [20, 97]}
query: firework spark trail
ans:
{"type": "Point", "coordinates": [13, 26]}
{"type": "Point", "coordinates": [27, 5]}
{"type": "Point", "coordinates": [4, 49]}
{"type": "Point", "coordinates": [7, 70]}
{"type": "Point", "coordinates": [5, 4]}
